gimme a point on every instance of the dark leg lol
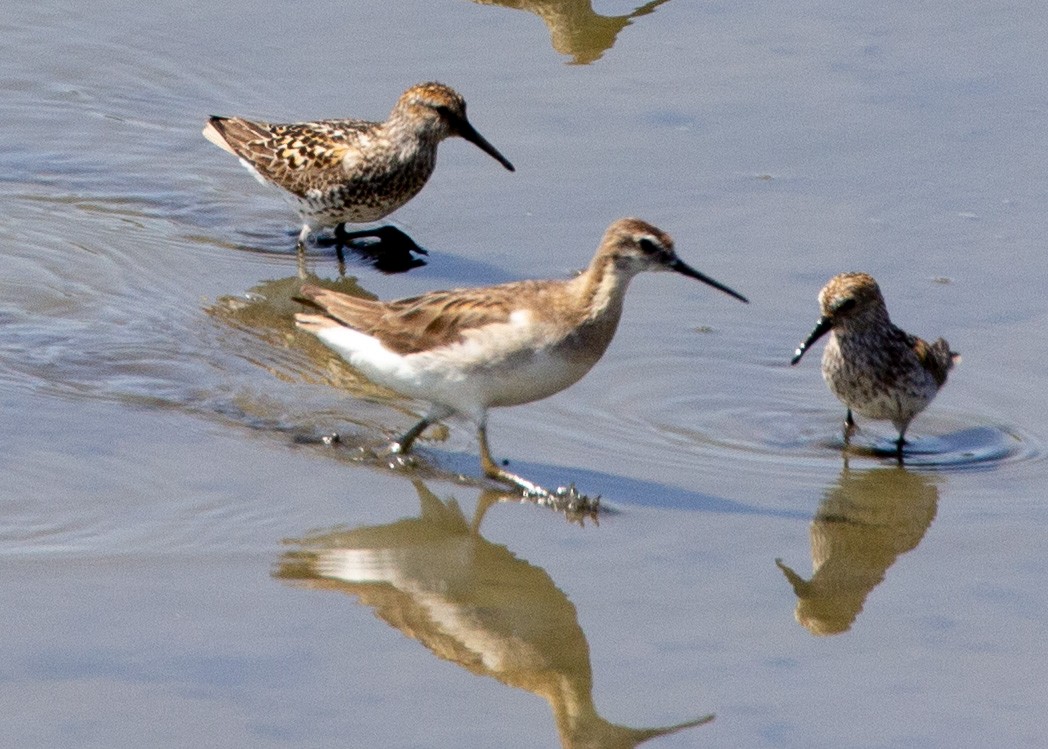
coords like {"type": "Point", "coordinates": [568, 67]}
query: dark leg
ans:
{"type": "Point", "coordinates": [899, 444]}
{"type": "Point", "coordinates": [404, 442]}
{"type": "Point", "coordinates": [340, 241]}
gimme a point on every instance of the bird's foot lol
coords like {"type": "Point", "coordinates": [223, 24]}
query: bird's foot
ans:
{"type": "Point", "coordinates": [396, 455]}
{"type": "Point", "coordinates": [565, 499]}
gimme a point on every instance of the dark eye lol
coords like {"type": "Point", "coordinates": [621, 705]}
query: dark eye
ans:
{"type": "Point", "coordinates": [649, 247]}
{"type": "Point", "coordinates": [844, 305]}
{"type": "Point", "coordinates": [449, 113]}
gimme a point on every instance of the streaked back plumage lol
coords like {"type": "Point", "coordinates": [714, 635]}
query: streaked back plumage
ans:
{"type": "Point", "coordinates": [351, 170]}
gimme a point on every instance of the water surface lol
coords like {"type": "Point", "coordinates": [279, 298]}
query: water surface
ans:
{"type": "Point", "coordinates": [188, 563]}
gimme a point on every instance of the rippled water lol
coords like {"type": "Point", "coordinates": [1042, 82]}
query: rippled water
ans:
{"type": "Point", "coordinates": [190, 562]}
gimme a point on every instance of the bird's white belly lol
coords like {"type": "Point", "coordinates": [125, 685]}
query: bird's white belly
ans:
{"type": "Point", "coordinates": [469, 387]}
{"type": "Point", "coordinates": [498, 365]}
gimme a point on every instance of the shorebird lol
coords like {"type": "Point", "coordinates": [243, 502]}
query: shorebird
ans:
{"type": "Point", "coordinates": [353, 171]}
{"type": "Point", "coordinates": [467, 350]}
{"type": "Point", "coordinates": [873, 367]}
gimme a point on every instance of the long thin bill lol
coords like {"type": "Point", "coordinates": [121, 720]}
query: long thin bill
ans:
{"type": "Point", "coordinates": [822, 327]}
{"type": "Point", "coordinates": [468, 132]}
{"type": "Point", "coordinates": [684, 269]}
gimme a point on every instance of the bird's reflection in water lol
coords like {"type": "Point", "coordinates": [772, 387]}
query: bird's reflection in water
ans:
{"type": "Point", "coordinates": [471, 602]}
{"type": "Point", "coordinates": [867, 519]}
{"type": "Point", "coordinates": [575, 29]}
{"type": "Point", "coordinates": [385, 248]}
{"type": "Point", "coordinates": [267, 315]}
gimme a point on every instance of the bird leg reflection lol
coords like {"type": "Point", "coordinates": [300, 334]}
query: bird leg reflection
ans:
{"type": "Point", "coordinates": [899, 444]}
{"type": "Point", "coordinates": [300, 252]}
{"type": "Point", "coordinates": [849, 427]}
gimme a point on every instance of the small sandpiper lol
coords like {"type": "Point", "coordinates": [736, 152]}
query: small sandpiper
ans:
{"type": "Point", "coordinates": [353, 171]}
{"type": "Point", "coordinates": [467, 350]}
{"type": "Point", "coordinates": [873, 367]}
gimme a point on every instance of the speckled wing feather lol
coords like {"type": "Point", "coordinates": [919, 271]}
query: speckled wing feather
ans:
{"type": "Point", "coordinates": [409, 326]}
{"type": "Point", "coordinates": [935, 357]}
{"type": "Point", "coordinates": [298, 157]}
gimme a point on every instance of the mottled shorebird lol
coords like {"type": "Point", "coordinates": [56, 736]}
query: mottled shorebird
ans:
{"type": "Point", "coordinates": [467, 350]}
{"type": "Point", "coordinates": [352, 171]}
{"type": "Point", "coordinates": [874, 368]}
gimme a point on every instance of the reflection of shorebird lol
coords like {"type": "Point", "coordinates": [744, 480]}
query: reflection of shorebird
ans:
{"type": "Point", "coordinates": [467, 350]}
{"type": "Point", "coordinates": [265, 314]}
{"type": "Point", "coordinates": [863, 524]}
{"type": "Point", "coordinates": [574, 27]}
{"type": "Point", "coordinates": [873, 367]}
{"type": "Point", "coordinates": [470, 602]}
{"type": "Point", "coordinates": [352, 171]}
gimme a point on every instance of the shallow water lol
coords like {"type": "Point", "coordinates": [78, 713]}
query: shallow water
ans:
{"type": "Point", "coordinates": [188, 563]}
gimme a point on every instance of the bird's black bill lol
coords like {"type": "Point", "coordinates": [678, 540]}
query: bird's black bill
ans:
{"type": "Point", "coordinates": [466, 130]}
{"type": "Point", "coordinates": [822, 327]}
{"type": "Point", "coordinates": [684, 269]}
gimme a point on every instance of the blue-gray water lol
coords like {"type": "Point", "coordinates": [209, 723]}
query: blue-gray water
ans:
{"type": "Point", "coordinates": [185, 567]}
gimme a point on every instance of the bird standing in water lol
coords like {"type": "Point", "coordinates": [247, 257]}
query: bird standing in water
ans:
{"type": "Point", "coordinates": [353, 171]}
{"type": "Point", "coordinates": [467, 350]}
{"type": "Point", "coordinates": [876, 369]}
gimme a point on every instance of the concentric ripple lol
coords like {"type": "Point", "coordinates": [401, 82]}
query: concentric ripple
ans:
{"type": "Point", "coordinates": [776, 423]}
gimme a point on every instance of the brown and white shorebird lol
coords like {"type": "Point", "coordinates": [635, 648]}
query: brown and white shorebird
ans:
{"type": "Point", "coordinates": [352, 171]}
{"type": "Point", "coordinates": [467, 350]}
{"type": "Point", "coordinates": [876, 369]}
